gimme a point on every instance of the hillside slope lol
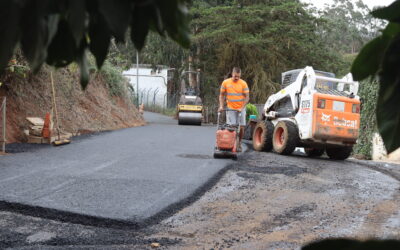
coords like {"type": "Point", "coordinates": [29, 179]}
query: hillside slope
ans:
{"type": "Point", "coordinates": [80, 111]}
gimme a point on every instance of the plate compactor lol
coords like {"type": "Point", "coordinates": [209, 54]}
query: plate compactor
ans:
{"type": "Point", "coordinates": [227, 139]}
{"type": "Point", "coordinates": [190, 107]}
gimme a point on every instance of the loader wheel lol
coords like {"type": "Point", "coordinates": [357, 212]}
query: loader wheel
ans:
{"type": "Point", "coordinates": [339, 153]}
{"type": "Point", "coordinates": [314, 152]}
{"type": "Point", "coordinates": [286, 137]}
{"type": "Point", "coordinates": [262, 136]}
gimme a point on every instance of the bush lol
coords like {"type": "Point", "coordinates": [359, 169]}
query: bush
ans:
{"type": "Point", "coordinates": [368, 94]}
{"type": "Point", "coordinates": [250, 110]}
{"type": "Point", "coordinates": [114, 79]}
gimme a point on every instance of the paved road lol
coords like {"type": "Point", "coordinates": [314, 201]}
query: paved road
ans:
{"type": "Point", "coordinates": [129, 175]}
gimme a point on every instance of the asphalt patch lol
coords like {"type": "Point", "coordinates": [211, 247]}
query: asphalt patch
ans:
{"type": "Point", "coordinates": [107, 240]}
{"type": "Point", "coordinates": [195, 156]}
{"type": "Point", "coordinates": [14, 148]}
{"type": "Point", "coordinates": [288, 170]}
{"type": "Point", "coordinates": [82, 219]}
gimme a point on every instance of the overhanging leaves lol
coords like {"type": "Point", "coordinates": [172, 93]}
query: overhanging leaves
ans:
{"type": "Point", "coordinates": [139, 31]}
{"type": "Point", "coordinates": [390, 13]}
{"type": "Point", "coordinates": [77, 19]}
{"type": "Point", "coordinates": [9, 30]}
{"type": "Point", "coordinates": [117, 16]}
{"type": "Point", "coordinates": [35, 33]}
{"type": "Point", "coordinates": [381, 56]}
{"type": "Point", "coordinates": [52, 31]}
{"type": "Point", "coordinates": [99, 38]}
{"type": "Point", "coordinates": [369, 59]}
{"type": "Point", "coordinates": [388, 112]}
{"type": "Point", "coordinates": [62, 49]}
{"type": "Point", "coordinates": [84, 67]}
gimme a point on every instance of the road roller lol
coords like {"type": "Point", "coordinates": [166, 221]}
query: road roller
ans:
{"type": "Point", "coordinates": [190, 106]}
{"type": "Point", "coordinates": [190, 109]}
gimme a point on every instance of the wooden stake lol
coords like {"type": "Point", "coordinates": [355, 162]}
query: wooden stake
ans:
{"type": "Point", "coordinates": [55, 105]}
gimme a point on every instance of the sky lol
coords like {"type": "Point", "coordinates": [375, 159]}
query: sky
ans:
{"type": "Point", "coordinates": [371, 3]}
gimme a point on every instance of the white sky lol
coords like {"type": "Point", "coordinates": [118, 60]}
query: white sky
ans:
{"type": "Point", "coordinates": [371, 3]}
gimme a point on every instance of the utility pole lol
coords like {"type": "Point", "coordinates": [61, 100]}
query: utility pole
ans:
{"type": "Point", "coordinates": [137, 78]}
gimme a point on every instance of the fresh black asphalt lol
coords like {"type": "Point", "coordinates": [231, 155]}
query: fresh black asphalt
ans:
{"type": "Point", "coordinates": [128, 175]}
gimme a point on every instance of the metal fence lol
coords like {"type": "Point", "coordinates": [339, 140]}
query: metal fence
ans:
{"type": "Point", "coordinates": [3, 124]}
{"type": "Point", "coordinates": [155, 101]}
{"type": "Point", "coordinates": [260, 109]}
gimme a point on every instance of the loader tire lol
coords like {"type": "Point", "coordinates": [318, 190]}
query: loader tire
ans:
{"type": "Point", "coordinates": [285, 138]}
{"type": "Point", "coordinates": [339, 153]}
{"type": "Point", "coordinates": [314, 152]}
{"type": "Point", "coordinates": [262, 136]}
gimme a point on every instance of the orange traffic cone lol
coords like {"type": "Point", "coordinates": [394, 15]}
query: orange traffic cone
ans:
{"type": "Point", "coordinates": [46, 127]}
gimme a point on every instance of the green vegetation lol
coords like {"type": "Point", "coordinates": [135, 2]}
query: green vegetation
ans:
{"type": "Point", "coordinates": [250, 110]}
{"type": "Point", "coordinates": [115, 81]}
{"type": "Point", "coordinates": [161, 110]}
{"type": "Point", "coordinates": [381, 57]}
{"type": "Point", "coordinates": [368, 93]}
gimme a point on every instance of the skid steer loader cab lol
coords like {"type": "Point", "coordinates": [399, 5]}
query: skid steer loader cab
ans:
{"type": "Point", "coordinates": [314, 110]}
{"type": "Point", "coordinates": [329, 111]}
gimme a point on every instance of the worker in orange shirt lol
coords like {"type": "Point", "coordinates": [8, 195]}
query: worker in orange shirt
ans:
{"type": "Point", "coordinates": [236, 92]}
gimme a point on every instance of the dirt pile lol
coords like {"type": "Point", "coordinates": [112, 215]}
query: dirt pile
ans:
{"type": "Point", "coordinates": [80, 112]}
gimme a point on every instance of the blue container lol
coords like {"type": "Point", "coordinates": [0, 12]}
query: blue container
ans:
{"type": "Point", "coordinates": [253, 117]}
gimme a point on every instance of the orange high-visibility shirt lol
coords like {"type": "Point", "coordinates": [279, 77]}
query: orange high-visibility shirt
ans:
{"type": "Point", "coordinates": [234, 93]}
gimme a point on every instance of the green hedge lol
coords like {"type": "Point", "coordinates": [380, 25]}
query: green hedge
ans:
{"type": "Point", "coordinates": [250, 110]}
{"type": "Point", "coordinates": [369, 94]}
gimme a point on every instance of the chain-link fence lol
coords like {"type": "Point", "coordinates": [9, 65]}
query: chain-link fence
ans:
{"type": "Point", "coordinates": [260, 109]}
{"type": "Point", "coordinates": [156, 101]}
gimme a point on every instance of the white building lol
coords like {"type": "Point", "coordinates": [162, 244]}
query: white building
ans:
{"type": "Point", "coordinates": [152, 84]}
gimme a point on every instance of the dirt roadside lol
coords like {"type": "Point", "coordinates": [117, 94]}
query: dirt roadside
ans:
{"type": "Point", "coordinates": [80, 111]}
{"type": "Point", "coordinates": [263, 201]}
{"type": "Point", "coordinates": [268, 201]}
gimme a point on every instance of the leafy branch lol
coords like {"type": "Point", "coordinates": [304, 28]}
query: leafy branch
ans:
{"type": "Point", "coordinates": [61, 32]}
{"type": "Point", "coordinates": [381, 57]}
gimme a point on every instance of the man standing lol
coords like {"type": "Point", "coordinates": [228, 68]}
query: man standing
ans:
{"type": "Point", "coordinates": [236, 93]}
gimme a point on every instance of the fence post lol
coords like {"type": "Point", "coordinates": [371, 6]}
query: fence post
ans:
{"type": "Point", "coordinates": [165, 102]}
{"type": "Point", "coordinates": [4, 105]}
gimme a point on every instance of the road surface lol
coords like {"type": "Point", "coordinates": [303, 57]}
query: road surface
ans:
{"type": "Point", "coordinates": [132, 175]}
{"type": "Point", "coordinates": [261, 201]}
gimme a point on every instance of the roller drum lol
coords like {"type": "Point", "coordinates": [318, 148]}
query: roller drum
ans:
{"type": "Point", "coordinates": [189, 118]}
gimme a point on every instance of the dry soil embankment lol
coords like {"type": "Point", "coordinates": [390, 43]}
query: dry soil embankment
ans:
{"type": "Point", "coordinates": [80, 111]}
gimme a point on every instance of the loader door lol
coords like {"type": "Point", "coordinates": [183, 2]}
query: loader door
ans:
{"type": "Point", "coordinates": [304, 114]}
{"type": "Point", "coordinates": [335, 118]}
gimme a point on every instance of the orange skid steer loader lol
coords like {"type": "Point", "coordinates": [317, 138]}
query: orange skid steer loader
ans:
{"type": "Point", "coordinates": [313, 110]}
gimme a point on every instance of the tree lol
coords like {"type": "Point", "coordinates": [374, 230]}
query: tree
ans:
{"type": "Point", "coordinates": [61, 32]}
{"type": "Point", "coordinates": [346, 26]}
{"type": "Point", "coordinates": [381, 57]}
{"type": "Point", "coordinates": [263, 37]}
